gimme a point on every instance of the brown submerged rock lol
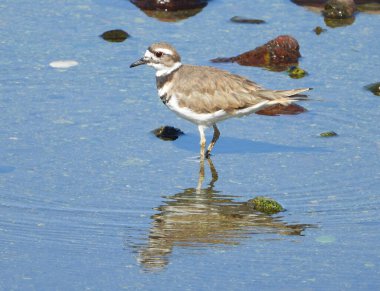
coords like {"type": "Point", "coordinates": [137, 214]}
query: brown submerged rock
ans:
{"type": "Point", "coordinates": [277, 55]}
{"type": "Point", "coordinates": [170, 10]}
{"type": "Point", "coordinates": [280, 109]}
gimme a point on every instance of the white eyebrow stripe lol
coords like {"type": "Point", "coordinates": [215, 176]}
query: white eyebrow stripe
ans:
{"type": "Point", "coordinates": [165, 51]}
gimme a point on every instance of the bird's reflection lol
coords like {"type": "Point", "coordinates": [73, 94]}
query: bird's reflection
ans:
{"type": "Point", "coordinates": [200, 217]}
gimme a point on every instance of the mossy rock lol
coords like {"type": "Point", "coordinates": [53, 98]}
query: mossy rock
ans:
{"type": "Point", "coordinates": [296, 72]}
{"type": "Point", "coordinates": [265, 205]}
{"type": "Point", "coordinates": [318, 30]}
{"type": "Point", "coordinates": [167, 132]}
{"type": "Point", "coordinates": [116, 35]}
{"type": "Point", "coordinates": [374, 88]}
{"type": "Point", "coordinates": [328, 134]}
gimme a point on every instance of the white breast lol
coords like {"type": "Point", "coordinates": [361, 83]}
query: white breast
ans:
{"type": "Point", "coordinates": [164, 90]}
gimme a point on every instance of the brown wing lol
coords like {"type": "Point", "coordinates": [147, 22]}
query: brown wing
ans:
{"type": "Point", "coordinates": [207, 89]}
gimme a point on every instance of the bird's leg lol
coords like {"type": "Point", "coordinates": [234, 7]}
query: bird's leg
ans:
{"type": "Point", "coordinates": [213, 141]}
{"type": "Point", "coordinates": [203, 141]}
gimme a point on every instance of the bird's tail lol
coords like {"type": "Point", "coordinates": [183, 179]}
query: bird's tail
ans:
{"type": "Point", "coordinates": [284, 97]}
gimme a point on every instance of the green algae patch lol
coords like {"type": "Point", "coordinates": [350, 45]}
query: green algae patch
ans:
{"type": "Point", "coordinates": [296, 72]}
{"type": "Point", "coordinates": [265, 205]}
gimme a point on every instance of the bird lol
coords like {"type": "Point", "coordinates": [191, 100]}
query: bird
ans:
{"type": "Point", "coordinates": [206, 95]}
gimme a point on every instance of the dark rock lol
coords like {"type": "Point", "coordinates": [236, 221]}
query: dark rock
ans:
{"type": "Point", "coordinates": [167, 132]}
{"type": "Point", "coordinates": [265, 205]}
{"type": "Point", "coordinates": [170, 10]}
{"type": "Point", "coordinates": [280, 109]}
{"type": "Point", "coordinates": [374, 88]}
{"type": "Point", "coordinates": [296, 72]}
{"type": "Point", "coordinates": [239, 19]}
{"type": "Point", "coordinates": [339, 9]}
{"type": "Point", "coordinates": [318, 30]}
{"type": "Point", "coordinates": [116, 35]}
{"type": "Point", "coordinates": [339, 12]}
{"type": "Point", "coordinates": [277, 55]}
{"type": "Point", "coordinates": [328, 134]}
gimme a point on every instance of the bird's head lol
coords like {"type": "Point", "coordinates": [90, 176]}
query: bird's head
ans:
{"type": "Point", "coordinates": [161, 56]}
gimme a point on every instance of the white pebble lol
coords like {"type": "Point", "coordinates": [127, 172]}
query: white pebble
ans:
{"type": "Point", "coordinates": [63, 64]}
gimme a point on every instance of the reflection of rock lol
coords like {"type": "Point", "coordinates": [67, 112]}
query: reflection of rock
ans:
{"type": "Point", "coordinates": [199, 217]}
{"type": "Point", "coordinates": [169, 5]}
{"type": "Point", "coordinates": [280, 109]}
{"type": "Point", "coordinates": [330, 22]}
{"type": "Point", "coordinates": [277, 55]}
{"type": "Point", "coordinates": [170, 10]}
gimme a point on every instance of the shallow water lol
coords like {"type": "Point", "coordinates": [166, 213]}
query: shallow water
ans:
{"type": "Point", "coordinates": [90, 199]}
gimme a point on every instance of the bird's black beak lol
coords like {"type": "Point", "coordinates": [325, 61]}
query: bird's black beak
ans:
{"type": "Point", "coordinates": [138, 63]}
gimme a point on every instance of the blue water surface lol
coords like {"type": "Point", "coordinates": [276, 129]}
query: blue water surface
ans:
{"type": "Point", "coordinates": [91, 200]}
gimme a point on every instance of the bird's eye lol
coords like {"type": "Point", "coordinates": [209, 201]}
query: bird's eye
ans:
{"type": "Point", "coordinates": [158, 54]}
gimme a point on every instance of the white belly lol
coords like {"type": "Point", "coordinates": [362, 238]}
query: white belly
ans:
{"type": "Point", "coordinates": [208, 119]}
